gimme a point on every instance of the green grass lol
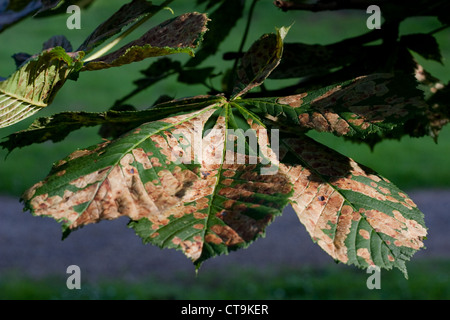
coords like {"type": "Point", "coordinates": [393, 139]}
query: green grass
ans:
{"type": "Point", "coordinates": [427, 280]}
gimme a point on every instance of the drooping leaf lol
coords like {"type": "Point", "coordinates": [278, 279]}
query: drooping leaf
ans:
{"type": "Point", "coordinates": [181, 34]}
{"type": "Point", "coordinates": [354, 214]}
{"type": "Point", "coordinates": [126, 15]}
{"type": "Point", "coordinates": [223, 19]}
{"type": "Point", "coordinates": [57, 127]}
{"type": "Point", "coordinates": [35, 84]}
{"type": "Point", "coordinates": [259, 61]}
{"type": "Point", "coordinates": [373, 104]}
{"type": "Point", "coordinates": [180, 189]}
{"type": "Point", "coordinates": [428, 83]}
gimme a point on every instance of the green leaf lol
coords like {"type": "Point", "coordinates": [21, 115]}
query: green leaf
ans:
{"type": "Point", "coordinates": [199, 194]}
{"type": "Point", "coordinates": [181, 34]}
{"type": "Point", "coordinates": [58, 127]}
{"type": "Point", "coordinates": [354, 214]}
{"type": "Point", "coordinates": [373, 104]}
{"type": "Point", "coordinates": [259, 61]}
{"type": "Point", "coordinates": [35, 84]}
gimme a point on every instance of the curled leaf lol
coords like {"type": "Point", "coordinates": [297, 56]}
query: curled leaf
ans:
{"type": "Point", "coordinates": [35, 84]}
{"type": "Point", "coordinates": [127, 14]}
{"type": "Point", "coordinates": [375, 104]}
{"type": "Point", "coordinates": [181, 189]}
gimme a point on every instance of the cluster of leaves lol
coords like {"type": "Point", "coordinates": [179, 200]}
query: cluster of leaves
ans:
{"type": "Point", "coordinates": [178, 169]}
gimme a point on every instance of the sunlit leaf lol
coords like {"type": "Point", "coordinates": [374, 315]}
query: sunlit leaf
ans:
{"type": "Point", "coordinates": [198, 202]}
{"type": "Point", "coordinates": [35, 84]}
{"type": "Point", "coordinates": [57, 127]}
{"type": "Point", "coordinates": [373, 104]}
{"type": "Point", "coordinates": [354, 214]}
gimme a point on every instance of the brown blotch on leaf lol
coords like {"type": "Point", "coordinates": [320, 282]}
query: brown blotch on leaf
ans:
{"type": "Point", "coordinates": [364, 233]}
{"type": "Point", "coordinates": [227, 234]}
{"type": "Point", "coordinates": [365, 254]}
{"type": "Point", "coordinates": [294, 101]}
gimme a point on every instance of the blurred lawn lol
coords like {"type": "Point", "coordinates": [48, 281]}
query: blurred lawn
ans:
{"type": "Point", "coordinates": [427, 280]}
{"type": "Point", "coordinates": [419, 163]}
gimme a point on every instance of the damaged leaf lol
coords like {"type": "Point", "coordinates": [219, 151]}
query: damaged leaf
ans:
{"type": "Point", "coordinates": [35, 84]}
{"type": "Point", "coordinates": [202, 194]}
{"type": "Point", "coordinates": [354, 214]}
{"type": "Point", "coordinates": [369, 105]}
{"type": "Point", "coordinates": [59, 126]}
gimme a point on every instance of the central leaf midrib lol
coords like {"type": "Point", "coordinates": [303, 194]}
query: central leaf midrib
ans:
{"type": "Point", "coordinates": [219, 173]}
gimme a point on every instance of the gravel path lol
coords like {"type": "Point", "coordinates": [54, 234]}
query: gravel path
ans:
{"type": "Point", "coordinates": [31, 246]}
